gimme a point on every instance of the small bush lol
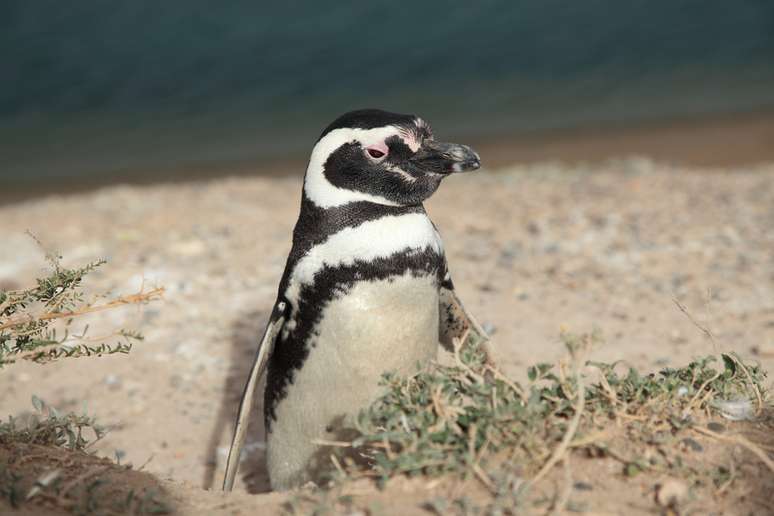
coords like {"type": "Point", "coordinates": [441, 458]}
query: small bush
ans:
{"type": "Point", "coordinates": [468, 421]}
{"type": "Point", "coordinates": [28, 318]}
{"type": "Point", "coordinates": [457, 418]}
{"type": "Point", "coordinates": [43, 458]}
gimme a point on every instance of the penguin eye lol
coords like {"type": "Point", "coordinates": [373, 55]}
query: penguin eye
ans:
{"type": "Point", "coordinates": [377, 151]}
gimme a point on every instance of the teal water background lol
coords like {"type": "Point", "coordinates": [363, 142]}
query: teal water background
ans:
{"type": "Point", "coordinates": [107, 89]}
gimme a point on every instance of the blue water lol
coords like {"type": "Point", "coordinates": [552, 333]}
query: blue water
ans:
{"type": "Point", "coordinates": [97, 88]}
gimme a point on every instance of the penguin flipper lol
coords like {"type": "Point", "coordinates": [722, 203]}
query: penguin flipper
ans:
{"type": "Point", "coordinates": [246, 403]}
{"type": "Point", "coordinates": [457, 323]}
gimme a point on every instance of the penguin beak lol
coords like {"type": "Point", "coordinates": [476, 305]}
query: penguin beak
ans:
{"type": "Point", "coordinates": [446, 158]}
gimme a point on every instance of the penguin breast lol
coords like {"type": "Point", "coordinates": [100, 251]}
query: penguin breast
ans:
{"type": "Point", "coordinates": [381, 325]}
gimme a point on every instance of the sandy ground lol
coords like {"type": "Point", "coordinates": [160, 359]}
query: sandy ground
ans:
{"type": "Point", "coordinates": [533, 249]}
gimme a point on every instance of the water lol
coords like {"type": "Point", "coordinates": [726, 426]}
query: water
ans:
{"type": "Point", "coordinates": [102, 89]}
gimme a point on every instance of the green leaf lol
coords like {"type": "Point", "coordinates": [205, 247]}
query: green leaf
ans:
{"type": "Point", "coordinates": [37, 403]}
{"type": "Point", "coordinates": [729, 363]}
{"type": "Point", "coordinates": [544, 367]}
{"type": "Point", "coordinates": [632, 469]}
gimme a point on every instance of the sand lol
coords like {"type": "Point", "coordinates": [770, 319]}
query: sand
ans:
{"type": "Point", "coordinates": [533, 249]}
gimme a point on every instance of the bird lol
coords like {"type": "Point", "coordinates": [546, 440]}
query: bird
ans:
{"type": "Point", "coordinates": [366, 289]}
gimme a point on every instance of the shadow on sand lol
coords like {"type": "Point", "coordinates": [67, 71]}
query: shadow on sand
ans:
{"type": "Point", "coordinates": [245, 334]}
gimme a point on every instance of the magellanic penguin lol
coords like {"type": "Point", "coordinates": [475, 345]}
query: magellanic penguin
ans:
{"type": "Point", "coordinates": [366, 289]}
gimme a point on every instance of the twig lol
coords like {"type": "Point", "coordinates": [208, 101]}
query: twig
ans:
{"type": "Point", "coordinates": [150, 458]}
{"type": "Point", "coordinates": [608, 390]}
{"type": "Point", "coordinates": [591, 439]}
{"type": "Point", "coordinates": [387, 449]}
{"type": "Point", "coordinates": [41, 356]}
{"type": "Point", "coordinates": [506, 381]}
{"type": "Point", "coordinates": [749, 379]}
{"type": "Point", "coordinates": [484, 478]}
{"type": "Point", "coordinates": [337, 464]}
{"type": "Point", "coordinates": [337, 444]}
{"type": "Point", "coordinates": [73, 339]}
{"type": "Point", "coordinates": [435, 397]}
{"type": "Point", "coordinates": [572, 428]}
{"type": "Point", "coordinates": [738, 439]}
{"type": "Point", "coordinates": [472, 442]}
{"type": "Point", "coordinates": [688, 407]}
{"type": "Point", "coordinates": [700, 326]}
{"type": "Point", "coordinates": [476, 459]}
{"type": "Point", "coordinates": [561, 503]}
{"type": "Point", "coordinates": [462, 365]}
{"type": "Point", "coordinates": [140, 297]}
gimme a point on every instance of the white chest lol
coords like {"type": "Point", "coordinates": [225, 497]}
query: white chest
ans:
{"type": "Point", "coordinates": [378, 326]}
{"type": "Point", "coordinates": [372, 328]}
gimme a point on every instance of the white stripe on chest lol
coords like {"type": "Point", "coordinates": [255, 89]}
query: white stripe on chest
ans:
{"type": "Point", "coordinates": [369, 241]}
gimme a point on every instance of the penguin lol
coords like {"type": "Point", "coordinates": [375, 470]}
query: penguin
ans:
{"type": "Point", "coordinates": [366, 289]}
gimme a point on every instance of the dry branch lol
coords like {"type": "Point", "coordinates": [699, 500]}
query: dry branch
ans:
{"type": "Point", "coordinates": [572, 428]}
{"type": "Point", "coordinates": [139, 298]}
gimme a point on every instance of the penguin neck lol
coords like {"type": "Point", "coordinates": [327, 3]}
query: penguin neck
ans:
{"type": "Point", "coordinates": [333, 219]}
{"type": "Point", "coordinates": [316, 224]}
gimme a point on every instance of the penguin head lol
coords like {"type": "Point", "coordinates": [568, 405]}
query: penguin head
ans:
{"type": "Point", "coordinates": [380, 157]}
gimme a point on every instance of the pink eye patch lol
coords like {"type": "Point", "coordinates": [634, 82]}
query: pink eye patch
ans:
{"type": "Point", "coordinates": [377, 150]}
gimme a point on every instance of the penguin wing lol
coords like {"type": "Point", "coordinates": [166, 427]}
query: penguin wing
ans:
{"type": "Point", "coordinates": [457, 323]}
{"type": "Point", "coordinates": [246, 403]}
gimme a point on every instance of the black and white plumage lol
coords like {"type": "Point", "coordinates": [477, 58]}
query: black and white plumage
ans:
{"type": "Point", "coordinates": [366, 288]}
